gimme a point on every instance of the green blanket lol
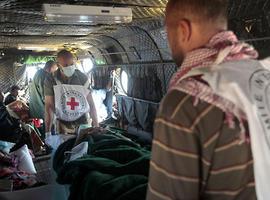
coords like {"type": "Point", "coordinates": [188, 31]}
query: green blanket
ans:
{"type": "Point", "coordinates": [114, 169]}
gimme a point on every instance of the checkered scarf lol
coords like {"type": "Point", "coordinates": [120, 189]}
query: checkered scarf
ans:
{"type": "Point", "coordinates": [207, 55]}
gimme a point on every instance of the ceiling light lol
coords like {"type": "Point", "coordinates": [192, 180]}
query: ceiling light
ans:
{"type": "Point", "coordinates": [37, 47]}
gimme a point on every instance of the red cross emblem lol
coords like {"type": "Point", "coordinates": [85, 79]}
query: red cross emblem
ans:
{"type": "Point", "coordinates": [73, 103]}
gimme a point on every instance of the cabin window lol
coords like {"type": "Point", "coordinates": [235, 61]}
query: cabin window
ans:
{"type": "Point", "coordinates": [32, 69]}
{"type": "Point", "coordinates": [124, 81]}
{"type": "Point", "coordinates": [87, 64]}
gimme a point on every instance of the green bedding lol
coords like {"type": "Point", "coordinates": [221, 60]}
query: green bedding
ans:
{"type": "Point", "coordinates": [114, 169]}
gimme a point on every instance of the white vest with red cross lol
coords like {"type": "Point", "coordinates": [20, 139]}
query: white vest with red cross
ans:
{"type": "Point", "coordinates": [71, 101]}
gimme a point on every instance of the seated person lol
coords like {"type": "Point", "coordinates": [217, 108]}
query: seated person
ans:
{"type": "Point", "coordinates": [9, 126]}
{"type": "Point", "coordinates": [14, 92]}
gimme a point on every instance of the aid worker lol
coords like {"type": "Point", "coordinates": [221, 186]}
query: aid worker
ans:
{"type": "Point", "coordinates": [68, 96]}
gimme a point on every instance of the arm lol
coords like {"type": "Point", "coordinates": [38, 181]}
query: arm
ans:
{"type": "Point", "coordinates": [93, 112]}
{"type": "Point", "coordinates": [41, 89]}
{"type": "Point", "coordinates": [49, 102]}
{"type": "Point", "coordinates": [49, 112]}
{"type": "Point", "coordinates": [175, 164]}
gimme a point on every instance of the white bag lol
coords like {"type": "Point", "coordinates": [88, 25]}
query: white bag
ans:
{"type": "Point", "coordinates": [25, 160]}
{"type": "Point", "coordinates": [247, 85]}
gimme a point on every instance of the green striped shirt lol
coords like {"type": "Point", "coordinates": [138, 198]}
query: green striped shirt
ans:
{"type": "Point", "coordinates": [195, 155]}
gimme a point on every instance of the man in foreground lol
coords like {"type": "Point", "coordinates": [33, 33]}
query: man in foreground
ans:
{"type": "Point", "coordinates": [200, 147]}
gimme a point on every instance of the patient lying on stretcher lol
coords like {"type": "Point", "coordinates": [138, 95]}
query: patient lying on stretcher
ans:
{"type": "Point", "coordinates": [9, 126]}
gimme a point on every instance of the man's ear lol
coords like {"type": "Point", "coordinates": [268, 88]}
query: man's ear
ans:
{"type": "Point", "coordinates": [186, 30]}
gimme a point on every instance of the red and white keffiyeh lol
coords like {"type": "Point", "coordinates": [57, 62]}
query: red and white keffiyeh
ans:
{"type": "Point", "coordinates": [208, 56]}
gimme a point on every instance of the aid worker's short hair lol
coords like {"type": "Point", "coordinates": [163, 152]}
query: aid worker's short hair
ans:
{"type": "Point", "coordinates": [49, 64]}
{"type": "Point", "coordinates": [64, 54]}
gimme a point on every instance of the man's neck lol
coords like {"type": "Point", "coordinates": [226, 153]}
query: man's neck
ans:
{"type": "Point", "coordinates": [206, 31]}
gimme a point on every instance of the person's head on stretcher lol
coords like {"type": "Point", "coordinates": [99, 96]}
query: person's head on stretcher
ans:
{"type": "Point", "coordinates": [17, 109]}
{"type": "Point", "coordinates": [20, 109]}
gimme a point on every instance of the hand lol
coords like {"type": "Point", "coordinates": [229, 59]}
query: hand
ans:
{"type": "Point", "coordinates": [48, 138]}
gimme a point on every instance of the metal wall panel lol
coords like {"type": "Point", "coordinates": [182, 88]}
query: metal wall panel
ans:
{"type": "Point", "coordinates": [6, 75]}
{"type": "Point", "coordinates": [137, 44]}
